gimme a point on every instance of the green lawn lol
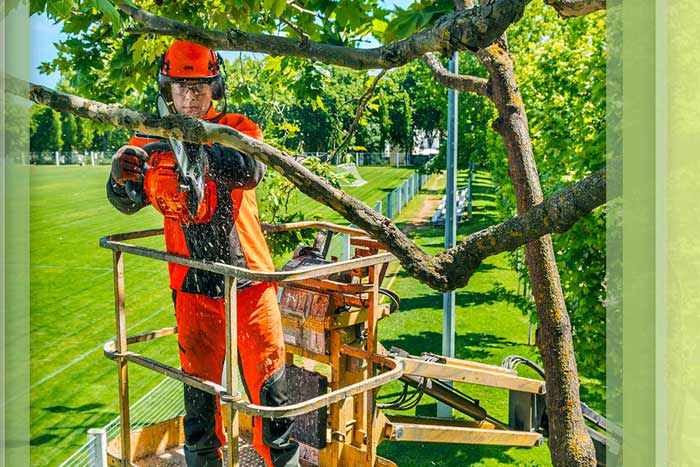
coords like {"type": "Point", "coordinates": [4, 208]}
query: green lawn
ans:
{"type": "Point", "coordinates": [73, 387]}
{"type": "Point", "coordinates": [487, 331]}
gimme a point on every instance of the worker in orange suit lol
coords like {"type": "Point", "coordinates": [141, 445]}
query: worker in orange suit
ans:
{"type": "Point", "coordinates": [224, 227]}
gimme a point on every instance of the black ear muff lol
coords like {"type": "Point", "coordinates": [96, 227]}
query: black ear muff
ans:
{"type": "Point", "coordinates": [218, 88]}
{"type": "Point", "coordinates": [163, 79]}
{"type": "Point", "coordinates": [218, 85]}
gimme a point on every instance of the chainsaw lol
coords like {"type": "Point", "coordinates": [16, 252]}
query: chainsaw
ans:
{"type": "Point", "coordinates": [191, 164]}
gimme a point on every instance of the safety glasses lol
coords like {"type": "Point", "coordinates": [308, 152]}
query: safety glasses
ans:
{"type": "Point", "coordinates": [197, 88]}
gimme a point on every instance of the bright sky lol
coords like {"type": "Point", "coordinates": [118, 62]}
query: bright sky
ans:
{"type": "Point", "coordinates": [44, 33]}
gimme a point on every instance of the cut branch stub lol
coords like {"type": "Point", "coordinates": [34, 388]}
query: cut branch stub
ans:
{"type": "Point", "coordinates": [462, 83]}
{"type": "Point", "coordinates": [572, 8]}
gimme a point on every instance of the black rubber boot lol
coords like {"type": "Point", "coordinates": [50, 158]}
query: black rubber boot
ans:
{"type": "Point", "coordinates": [201, 443]}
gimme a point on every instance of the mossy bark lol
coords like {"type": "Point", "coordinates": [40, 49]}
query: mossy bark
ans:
{"type": "Point", "coordinates": [570, 445]}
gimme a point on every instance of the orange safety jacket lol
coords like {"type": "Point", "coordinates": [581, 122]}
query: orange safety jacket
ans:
{"type": "Point", "coordinates": [225, 229]}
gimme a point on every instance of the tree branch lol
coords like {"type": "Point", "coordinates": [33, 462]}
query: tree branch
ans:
{"type": "Point", "coordinates": [362, 103]}
{"type": "Point", "coordinates": [302, 35]}
{"type": "Point", "coordinates": [447, 271]}
{"type": "Point", "coordinates": [469, 29]}
{"type": "Point", "coordinates": [556, 214]}
{"type": "Point", "coordinates": [461, 83]}
{"type": "Point", "coordinates": [571, 8]}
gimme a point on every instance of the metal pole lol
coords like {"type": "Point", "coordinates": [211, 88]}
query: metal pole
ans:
{"type": "Point", "coordinates": [346, 247]}
{"type": "Point", "coordinates": [97, 438]}
{"type": "Point", "coordinates": [448, 300]}
{"type": "Point", "coordinates": [399, 205]}
{"type": "Point", "coordinates": [124, 419]}
{"type": "Point", "coordinates": [469, 193]}
{"type": "Point", "coordinates": [231, 369]}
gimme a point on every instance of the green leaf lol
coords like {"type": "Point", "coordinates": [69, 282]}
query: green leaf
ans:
{"type": "Point", "coordinates": [403, 26]}
{"type": "Point", "coordinates": [59, 9]}
{"type": "Point", "coordinates": [275, 7]}
{"type": "Point", "coordinates": [111, 13]}
{"type": "Point", "coordinates": [379, 26]}
{"type": "Point", "coordinates": [36, 6]}
{"type": "Point", "coordinates": [273, 64]}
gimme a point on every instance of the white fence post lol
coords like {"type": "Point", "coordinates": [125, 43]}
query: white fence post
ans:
{"type": "Point", "coordinates": [58, 158]}
{"type": "Point", "coordinates": [346, 247]}
{"type": "Point", "coordinates": [97, 438]}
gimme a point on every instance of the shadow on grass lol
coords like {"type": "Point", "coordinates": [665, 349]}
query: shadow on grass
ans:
{"type": "Point", "coordinates": [468, 346]}
{"type": "Point", "coordinates": [88, 412]}
{"type": "Point", "coordinates": [464, 298]}
{"type": "Point", "coordinates": [64, 409]}
{"type": "Point", "coordinates": [42, 439]}
{"type": "Point", "coordinates": [428, 191]}
{"type": "Point", "coordinates": [414, 454]}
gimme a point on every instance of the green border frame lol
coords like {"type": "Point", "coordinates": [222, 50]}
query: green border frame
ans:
{"type": "Point", "coordinates": [653, 277]}
{"type": "Point", "coordinates": [14, 244]}
{"type": "Point", "coordinates": [679, 380]}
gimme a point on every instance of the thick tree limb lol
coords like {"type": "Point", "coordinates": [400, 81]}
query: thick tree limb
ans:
{"type": "Point", "coordinates": [461, 83]}
{"type": "Point", "coordinates": [556, 214]}
{"type": "Point", "coordinates": [447, 271]}
{"type": "Point", "coordinates": [470, 29]}
{"type": "Point", "coordinates": [571, 8]}
{"type": "Point", "coordinates": [569, 441]}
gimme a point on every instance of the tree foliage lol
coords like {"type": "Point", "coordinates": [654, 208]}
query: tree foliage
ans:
{"type": "Point", "coordinates": [68, 132]}
{"type": "Point", "coordinates": [45, 130]}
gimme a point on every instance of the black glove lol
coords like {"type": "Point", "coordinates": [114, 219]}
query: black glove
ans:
{"type": "Point", "coordinates": [128, 164]}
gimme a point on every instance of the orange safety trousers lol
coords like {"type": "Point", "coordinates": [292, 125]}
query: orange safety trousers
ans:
{"type": "Point", "coordinates": [202, 341]}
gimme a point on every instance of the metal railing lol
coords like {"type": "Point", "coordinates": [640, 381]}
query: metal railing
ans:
{"type": "Point", "coordinates": [399, 197]}
{"type": "Point", "coordinates": [229, 394]}
{"type": "Point", "coordinates": [59, 158]}
{"type": "Point", "coordinates": [162, 402]}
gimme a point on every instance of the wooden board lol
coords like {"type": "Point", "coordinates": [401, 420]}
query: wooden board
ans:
{"type": "Point", "coordinates": [462, 435]}
{"type": "Point", "coordinates": [151, 440]}
{"type": "Point", "coordinates": [479, 376]}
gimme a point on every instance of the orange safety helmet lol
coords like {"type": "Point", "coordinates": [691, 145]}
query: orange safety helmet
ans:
{"type": "Point", "coordinates": [186, 61]}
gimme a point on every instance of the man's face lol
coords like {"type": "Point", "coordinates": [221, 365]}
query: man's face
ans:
{"type": "Point", "coordinates": [191, 98]}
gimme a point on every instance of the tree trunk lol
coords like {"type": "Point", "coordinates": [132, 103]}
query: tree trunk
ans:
{"type": "Point", "coordinates": [570, 444]}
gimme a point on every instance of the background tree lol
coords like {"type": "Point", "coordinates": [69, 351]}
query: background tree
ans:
{"type": "Point", "coordinates": [68, 132]}
{"type": "Point", "coordinates": [84, 134]}
{"type": "Point", "coordinates": [45, 130]}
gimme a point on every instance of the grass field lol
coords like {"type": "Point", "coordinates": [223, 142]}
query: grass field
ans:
{"type": "Point", "coordinates": [73, 387]}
